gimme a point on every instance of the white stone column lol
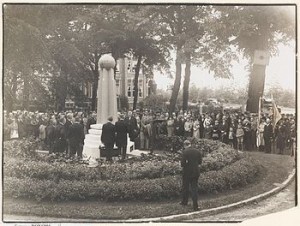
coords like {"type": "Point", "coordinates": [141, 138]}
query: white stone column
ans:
{"type": "Point", "coordinates": [106, 106]}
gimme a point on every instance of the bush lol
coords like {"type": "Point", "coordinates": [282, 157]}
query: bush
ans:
{"type": "Point", "coordinates": [172, 144]}
{"type": "Point", "coordinates": [237, 174]}
{"type": "Point", "coordinates": [147, 167]}
{"type": "Point", "coordinates": [22, 148]}
{"type": "Point", "coordinates": [148, 177]}
{"type": "Point", "coordinates": [175, 143]}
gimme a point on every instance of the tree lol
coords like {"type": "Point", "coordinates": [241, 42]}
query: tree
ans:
{"type": "Point", "coordinates": [260, 28]}
{"type": "Point", "coordinates": [197, 37]}
{"type": "Point", "coordinates": [24, 53]}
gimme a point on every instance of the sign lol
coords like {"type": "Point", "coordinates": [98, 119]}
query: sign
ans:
{"type": "Point", "coordinates": [261, 57]}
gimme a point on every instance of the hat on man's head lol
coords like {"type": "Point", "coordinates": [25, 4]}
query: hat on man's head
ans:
{"type": "Point", "coordinates": [187, 143]}
{"type": "Point", "coordinates": [122, 116]}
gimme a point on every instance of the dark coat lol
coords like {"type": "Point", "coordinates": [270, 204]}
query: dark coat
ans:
{"type": "Point", "coordinates": [50, 134]}
{"type": "Point", "coordinates": [60, 138]}
{"type": "Point", "coordinates": [132, 127]}
{"type": "Point", "coordinates": [108, 135]}
{"type": "Point", "coordinates": [121, 133]}
{"type": "Point", "coordinates": [191, 158]}
{"type": "Point", "coordinates": [179, 127]}
{"type": "Point", "coordinates": [268, 131]}
{"type": "Point", "coordinates": [90, 122]}
{"type": "Point", "coordinates": [76, 134]}
{"type": "Point", "coordinates": [67, 125]}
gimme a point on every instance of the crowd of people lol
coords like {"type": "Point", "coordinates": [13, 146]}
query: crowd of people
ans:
{"type": "Point", "coordinates": [64, 132]}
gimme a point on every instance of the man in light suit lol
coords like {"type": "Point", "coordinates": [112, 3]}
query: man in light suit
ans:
{"type": "Point", "coordinates": [108, 138]}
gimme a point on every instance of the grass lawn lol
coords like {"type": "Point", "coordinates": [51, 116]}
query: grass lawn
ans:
{"type": "Point", "coordinates": [276, 170]}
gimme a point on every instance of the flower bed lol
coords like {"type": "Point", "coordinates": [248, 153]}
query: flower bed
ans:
{"type": "Point", "coordinates": [148, 167]}
{"type": "Point", "coordinates": [237, 174]}
{"type": "Point", "coordinates": [22, 148]}
{"type": "Point", "coordinates": [145, 178]}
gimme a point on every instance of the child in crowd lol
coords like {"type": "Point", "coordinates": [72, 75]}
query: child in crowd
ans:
{"type": "Point", "coordinates": [231, 136]}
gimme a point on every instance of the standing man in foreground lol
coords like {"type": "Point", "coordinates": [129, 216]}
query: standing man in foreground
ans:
{"type": "Point", "coordinates": [108, 138]}
{"type": "Point", "coordinates": [191, 158]}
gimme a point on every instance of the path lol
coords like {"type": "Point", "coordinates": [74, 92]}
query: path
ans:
{"type": "Point", "coordinates": [279, 202]}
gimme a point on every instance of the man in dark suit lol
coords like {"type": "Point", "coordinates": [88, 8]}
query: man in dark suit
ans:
{"type": "Point", "coordinates": [76, 138]}
{"type": "Point", "coordinates": [268, 135]}
{"type": "Point", "coordinates": [179, 126]}
{"type": "Point", "coordinates": [69, 122]}
{"type": "Point", "coordinates": [132, 126]}
{"type": "Point", "coordinates": [60, 136]}
{"type": "Point", "coordinates": [91, 120]}
{"type": "Point", "coordinates": [108, 138]}
{"type": "Point", "coordinates": [121, 136]}
{"type": "Point", "coordinates": [191, 158]}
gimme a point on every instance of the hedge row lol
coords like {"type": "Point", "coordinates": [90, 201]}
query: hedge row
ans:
{"type": "Point", "coordinates": [22, 148]}
{"type": "Point", "coordinates": [175, 143]}
{"type": "Point", "coordinates": [237, 174]}
{"type": "Point", "coordinates": [157, 167]}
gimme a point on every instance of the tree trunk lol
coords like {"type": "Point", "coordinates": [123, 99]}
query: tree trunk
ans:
{"type": "Point", "coordinates": [256, 87]}
{"type": "Point", "coordinates": [95, 83]}
{"type": "Point", "coordinates": [186, 82]}
{"type": "Point", "coordinates": [177, 81]}
{"type": "Point", "coordinates": [26, 92]}
{"type": "Point", "coordinates": [136, 82]}
{"type": "Point", "coordinates": [95, 89]}
{"type": "Point", "coordinates": [11, 101]}
{"type": "Point", "coordinates": [258, 73]}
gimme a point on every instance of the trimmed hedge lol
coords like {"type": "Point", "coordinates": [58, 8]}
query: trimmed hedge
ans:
{"type": "Point", "coordinates": [155, 167]}
{"type": "Point", "coordinates": [21, 148]}
{"type": "Point", "coordinates": [30, 175]}
{"type": "Point", "coordinates": [237, 174]}
{"type": "Point", "coordinates": [175, 144]}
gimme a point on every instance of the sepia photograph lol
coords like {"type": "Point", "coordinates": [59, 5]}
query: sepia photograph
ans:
{"type": "Point", "coordinates": [148, 112]}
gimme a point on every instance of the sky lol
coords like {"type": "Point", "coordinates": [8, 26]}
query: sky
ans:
{"type": "Point", "coordinates": [281, 71]}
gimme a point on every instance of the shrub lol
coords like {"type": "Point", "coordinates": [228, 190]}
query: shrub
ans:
{"type": "Point", "coordinates": [175, 143]}
{"type": "Point", "coordinates": [147, 167]}
{"type": "Point", "coordinates": [237, 174]}
{"type": "Point", "coordinates": [23, 148]}
{"type": "Point", "coordinates": [172, 144]}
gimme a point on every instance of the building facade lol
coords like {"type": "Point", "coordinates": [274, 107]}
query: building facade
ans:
{"type": "Point", "coordinates": [125, 72]}
{"type": "Point", "coordinates": [125, 80]}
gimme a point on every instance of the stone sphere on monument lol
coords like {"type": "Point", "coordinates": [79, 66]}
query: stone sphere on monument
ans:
{"type": "Point", "coordinates": [107, 61]}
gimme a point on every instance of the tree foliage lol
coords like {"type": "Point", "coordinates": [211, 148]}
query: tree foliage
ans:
{"type": "Point", "coordinates": [52, 49]}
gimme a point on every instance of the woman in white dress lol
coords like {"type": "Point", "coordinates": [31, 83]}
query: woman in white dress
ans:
{"type": "Point", "coordinates": [14, 129]}
{"type": "Point", "coordinates": [261, 142]}
{"type": "Point", "coordinates": [196, 129]}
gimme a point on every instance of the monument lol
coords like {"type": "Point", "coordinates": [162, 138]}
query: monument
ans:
{"type": "Point", "coordinates": [106, 106]}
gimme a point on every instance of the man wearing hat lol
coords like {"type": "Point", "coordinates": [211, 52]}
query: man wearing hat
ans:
{"type": "Point", "coordinates": [76, 138]}
{"type": "Point", "coordinates": [108, 138]}
{"type": "Point", "coordinates": [121, 135]}
{"type": "Point", "coordinates": [191, 159]}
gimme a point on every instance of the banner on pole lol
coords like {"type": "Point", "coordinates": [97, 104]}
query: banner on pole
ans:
{"type": "Point", "coordinates": [276, 114]}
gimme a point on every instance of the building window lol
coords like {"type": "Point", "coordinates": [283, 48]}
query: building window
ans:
{"type": "Point", "coordinates": [140, 92]}
{"type": "Point", "coordinates": [129, 92]}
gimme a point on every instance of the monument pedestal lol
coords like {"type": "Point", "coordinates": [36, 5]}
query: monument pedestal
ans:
{"type": "Point", "coordinates": [92, 143]}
